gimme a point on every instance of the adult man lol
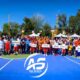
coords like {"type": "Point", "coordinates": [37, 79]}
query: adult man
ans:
{"type": "Point", "coordinates": [1, 46]}
{"type": "Point", "coordinates": [78, 50]}
{"type": "Point", "coordinates": [27, 45]}
{"type": "Point", "coordinates": [64, 47]}
{"type": "Point", "coordinates": [23, 46]}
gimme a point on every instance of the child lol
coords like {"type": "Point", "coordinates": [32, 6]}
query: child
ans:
{"type": "Point", "coordinates": [7, 47]}
{"type": "Point", "coordinates": [64, 47]}
{"type": "Point", "coordinates": [70, 47]}
{"type": "Point", "coordinates": [1, 46]}
{"type": "Point", "coordinates": [78, 50]}
{"type": "Point", "coordinates": [15, 49]}
{"type": "Point", "coordinates": [33, 46]}
{"type": "Point", "coordinates": [45, 47]}
{"type": "Point", "coordinates": [23, 46]}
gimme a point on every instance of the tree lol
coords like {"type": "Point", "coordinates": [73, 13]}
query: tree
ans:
{"type": "Point", "coordinates": [27, 26]}
{"type": "Point", "coordinates": [72, 23]}
{"type": "Point", "coordinates": [78, 22]}
{"type": "Point", "coordinates": [38, 22]}
{"type": "Point", "coordinates": [14, 28]}
{"type": "Point", "coordinates": [62, 21]}
{"type": "Point", "coordinates": [46, 30]}
{"type": "Point", "coordinates": [5, 28]}
{"type": "Point", "coordinates": [11, 29]}
{"type": "Point", "coordinates": [0, 33]}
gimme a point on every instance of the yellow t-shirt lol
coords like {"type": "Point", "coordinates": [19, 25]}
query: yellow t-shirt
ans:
{"type": "Point", "coordinates": [70, 47]}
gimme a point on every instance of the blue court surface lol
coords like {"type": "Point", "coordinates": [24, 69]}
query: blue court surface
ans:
{"type": "Point", "coordinates": [59, 68]}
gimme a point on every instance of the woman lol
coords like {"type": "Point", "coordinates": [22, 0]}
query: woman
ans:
{"type": "Point", "coordinates": [64, 47]}
{"type": "Point", "coordinates": [33, 46]}
{"type": "Point", "coordinates": [40, 42]}
{"type": "Point", "coordinates": [70, 47]}
{"type": "Point", "coordinates": [23, 46]}
{"type": "Point", "coordinates": [45, 46]}
{"type": "Point", "coordinates": [7, 46]}
{"type": "Point", "coordinates": [1, 46]}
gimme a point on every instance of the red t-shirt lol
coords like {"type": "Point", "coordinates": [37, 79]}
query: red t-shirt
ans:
{"type": "Point", "coordinates": [7, 46]}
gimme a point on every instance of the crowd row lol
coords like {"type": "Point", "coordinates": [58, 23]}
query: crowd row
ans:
{"type": "Point", "coordinates": [42, 45]}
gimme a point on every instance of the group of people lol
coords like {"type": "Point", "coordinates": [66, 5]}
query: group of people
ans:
{"type": "Point", "coordinates": [43, 45]}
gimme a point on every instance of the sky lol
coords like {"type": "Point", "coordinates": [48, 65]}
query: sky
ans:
{"type": "Point", "coordinates": [49, 9]}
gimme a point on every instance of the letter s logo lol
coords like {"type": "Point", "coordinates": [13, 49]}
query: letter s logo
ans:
{"type": "Point", "coordinates": [36, 64]}
{"type": "Point", "coordinates": [40, 61]}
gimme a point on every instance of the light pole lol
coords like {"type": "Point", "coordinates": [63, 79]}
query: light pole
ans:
{"type": "Point", "coordinates": [9, 25]}
{"type": "Point", "coordinates": [22, 32]}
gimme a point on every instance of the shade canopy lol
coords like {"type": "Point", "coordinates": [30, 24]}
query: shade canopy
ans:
{"type": "Point", "coordinates": [34, 35]}
{"type": "Point", "coordinates": [61, 35]}
{"type": "Point", "coordinates": [74, 35]}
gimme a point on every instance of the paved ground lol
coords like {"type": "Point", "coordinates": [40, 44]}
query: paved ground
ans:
{"type": "Point", "coordinates": [59, 68]}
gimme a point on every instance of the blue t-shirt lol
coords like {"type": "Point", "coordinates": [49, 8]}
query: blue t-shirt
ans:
{"type": "Point", "coordinates": [27, 42]}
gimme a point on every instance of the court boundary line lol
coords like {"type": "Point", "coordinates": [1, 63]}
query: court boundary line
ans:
{"type": "Point", "coordinates": [12, 58]}
{"type": "Point", "coordinates": [6, 64]}
{"type": "Point", "coordinates": [72, 60]}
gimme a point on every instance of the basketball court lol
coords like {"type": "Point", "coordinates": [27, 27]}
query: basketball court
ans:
{"type": "Point", "coordinates": [59, 68]}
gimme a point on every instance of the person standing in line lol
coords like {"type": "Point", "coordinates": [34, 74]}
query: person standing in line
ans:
{"type": "Point", "coordinates": [7, 46]}
{"type": "Point", "coordinates": [27, 45]}
{"type": "Point", "coordinates": [23, 46]}
{"type": "Point", "coordinates": [78, 50]}
{"type": "Point", "coordinates": [70, 47]}
{"type": "Point", "coordinates": [1, 46]}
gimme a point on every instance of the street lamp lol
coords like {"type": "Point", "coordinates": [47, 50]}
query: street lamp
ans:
{"type": "Point", "coordinates": [22, 33]}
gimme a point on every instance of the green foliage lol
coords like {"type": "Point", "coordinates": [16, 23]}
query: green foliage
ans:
{"type": "Point", "coordinates": [5, 28]}
{"type": "Point", "coordinates": [12, 28]}
{"type": "Point", "coordinates": [62, 21]}
{"type": "Point", "coordinates": [37, 23]}
{"type": "Point", "coordinates": [74, 23]}
{"type": "Point", "coordinates": [27, 26]}
{"type": "Point", "coordinates": [46, 30]}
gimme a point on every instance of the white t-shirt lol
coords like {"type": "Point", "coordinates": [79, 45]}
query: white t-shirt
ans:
{"type": "Point", "coordinates": [63, 46]}
{"type": "Point", "coordinates": [5, 40]}
{"type": "Point", "coordinates": [78, 48]}
{"type": "Point", "coordinates": [16, 43]}
{"type": "Point", "coordinates": [33, 45]}
{"type": "Point", "coordinates": [1, 45]}
{"type": "Point", "coordinates": [55, 45]}
{"type": "Point", "coordinates": [45, 45]}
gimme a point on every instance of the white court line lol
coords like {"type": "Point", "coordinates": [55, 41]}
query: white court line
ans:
{"type": "Point", "coordinates": [12, 58]}
{"type": "Point", "coordinates": [72, 60]}
{"type": "Point", "coordinates": [6, 64]}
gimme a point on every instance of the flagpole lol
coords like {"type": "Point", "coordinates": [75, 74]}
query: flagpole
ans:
{"type": "Point", "coordinates": [9, 24]}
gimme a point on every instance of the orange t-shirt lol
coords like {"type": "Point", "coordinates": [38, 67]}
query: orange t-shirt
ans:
{"type": "Point", "coordinates": [76, 43]}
